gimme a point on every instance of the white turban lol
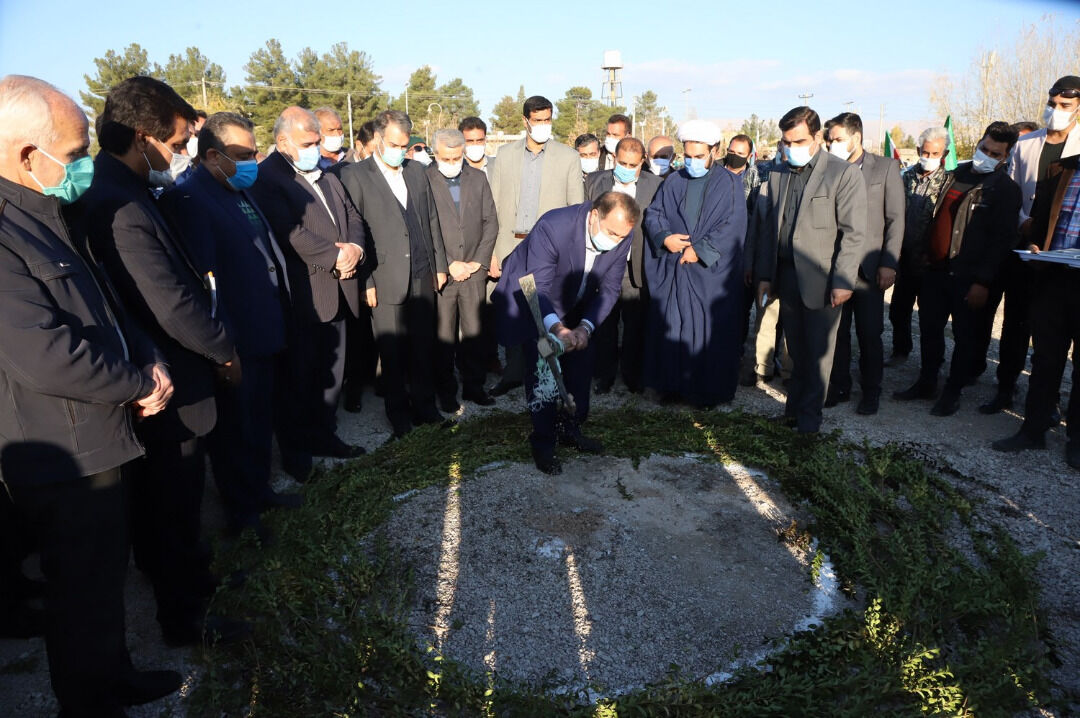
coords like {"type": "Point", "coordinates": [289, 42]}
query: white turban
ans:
{"type": "Point", "coordinates": [700, 131]}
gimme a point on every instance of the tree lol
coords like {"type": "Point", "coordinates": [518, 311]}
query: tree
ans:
{"type": "Point", "coordinates": [764, 133]}
{"type": "Point", "coordinates": [345, 72]}
{"type": "Point", "coordinates": [650, 118]}
{"type": "Point", "coordinates": [272, 86]}
{"type": "Point", "coordinates": [506, 116]}
{"type": "Point", "coordinates": [111, 71]}
{"type": "Point", "coordinates": [578, 113]}
{"type": "Point", "coordinates": [457, 101]}
{"type": "Point", "coordinates": [185, 74]}
{"type": "Point", "coordinates": [1007, 83]}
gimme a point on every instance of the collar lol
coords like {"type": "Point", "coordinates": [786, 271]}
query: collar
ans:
{"type": "Point", "coordinates": [29, 200]}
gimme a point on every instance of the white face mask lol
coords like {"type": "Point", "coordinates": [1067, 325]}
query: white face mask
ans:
{"type": "Point", "coordinates": [474, 153]}
{"type": "Point", "coordinates": [983, 163]}
{"type": "Point", "coordinates": [610, 143]}
{"type": "Point", "coordinates": [1056, 120]}
{"type": "Point", "coordinates": [166, 178]}
{"type": "Point", "coordinates": [930, 164]}
{"type": "Point", "coordinates": [840, 150]}
{"type": "Point", "coordinates": [421, 156]}
{"type": "Point", "coordinates": [798, 156]}
{"type": "Point", "coordinates": [193, 146]}
{"type": "Point", "coordinates": [590, 164]}
{"type": "Point", "coordinates": [449, 170]}
{"type": "Point", "coordinates": [540, 133]}
{"type": "Point", "coordinates": [333, 143]}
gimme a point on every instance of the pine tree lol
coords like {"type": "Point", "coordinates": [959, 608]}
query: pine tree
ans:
{"type": "Point", "coordinates": [111, 71]}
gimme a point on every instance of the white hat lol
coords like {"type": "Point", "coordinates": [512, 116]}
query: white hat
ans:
{"type": "Point", "coordinates": [700, 131]}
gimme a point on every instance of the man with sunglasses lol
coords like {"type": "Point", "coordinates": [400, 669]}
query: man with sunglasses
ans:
{"type": "Point", "coordinates": [1029, 166]}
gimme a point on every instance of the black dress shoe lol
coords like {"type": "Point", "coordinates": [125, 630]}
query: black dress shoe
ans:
{"type": "Point", "coordinates": [919, 390]}
{"type": "Point", "coordinates": [896, 359]}
{"type": "Point", "coordinates": [335, 448]}
{"type": "Point", "coordinates": [147, 686]}
{"type": "Point", "coordinates": [504, 387]}
{"type": "Point", "coordinates": [431, 416]}
{"type": "Point", "coordinates": [479, 397]}
{"type": "Point", "coordinates": [1072, 454]}
{"type": "Point", "coordinates": [399, 428]}
{"type": "Point", "coordinates": [297, 466]}
{"type": "Point", "coordinates": [449, 404]}
{"type": "Point", "coordinates": [1001, 401]}
{"type": "Point", "coordinates": [582, 443]}
{"type": "Point", "coordinates": [947, 404]}
{"type": "Point", "coordinates": [196, 631]}
{"type": "Point", "coordinates": [604, 387]}
{"type": "Point", "coordinates": [546, 461]}
{"type": "Point", "coordinates": [1019, 442]}
{"type": "Point", "coordinates": [868, 404]}
{"type": "Point", "coordinates": [836, 397]}
{"type": "Point", "coordinates": [353, 400]}
{"type": "Point", "coordinates": [273, 500]}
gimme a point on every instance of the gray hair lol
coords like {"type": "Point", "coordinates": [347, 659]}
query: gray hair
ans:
{"type": "Point", "coordinates": [449, 139]}
{"type": "Point", "coordinates": [327, 110]}
{"type": "Point", "coordinates": [396, 117]}
{"type": "Point", "coordinates": [26, 116]}
{"type": "Point", "coordinates": [931, 134]}
{"type": "Point", "coordinates": [292, 118]}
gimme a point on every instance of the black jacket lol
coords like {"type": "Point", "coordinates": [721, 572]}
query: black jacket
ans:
{"type": "Point", "coordinates": [159, 285]}
{"type": "Point", "coordinates": [601, 181]}
{"type": "Point", "coordinates": [985, 226]}
{"type": "Point", "coordinates": [65, 375]}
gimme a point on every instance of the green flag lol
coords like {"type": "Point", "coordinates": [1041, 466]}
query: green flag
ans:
{"type": "Point", "coordinates": [950, 154]}
{"type": "Point", "coordinates": [890, 148]}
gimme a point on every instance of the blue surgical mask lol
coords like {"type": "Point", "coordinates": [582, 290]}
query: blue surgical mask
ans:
{"type": "Point", "coordinates": [625, 175]}
{"type": "Point", "coordinates": [601, 242]}
{"type": "Point", "coordinates": [247, 171]}
{"type": "Point", "coordinates": [307, 158]}
{"type": "Point", "coordinates": [695, 167]}
{"type": "Point", "coordinates": [982, 163]}
{"type": "Point", "coordinates": [660, 165]}
{"type": "Point", "coordinates": [78, 176]}
{"type": "Point", "coordinates": [797, 156]}
{"type": "Point", "coordinates": [392, 156]}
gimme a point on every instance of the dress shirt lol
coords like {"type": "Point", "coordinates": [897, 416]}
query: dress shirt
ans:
{"type": "Point", "coordinates": [529, 197]}
{"type": "Point", "coordinates": [395, 177]}
{"type": "Point", "coordinates": [591, 253]}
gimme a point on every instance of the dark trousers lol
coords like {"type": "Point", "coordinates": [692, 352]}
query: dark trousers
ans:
{"type": "Point", "coordinates": [322, 345]}
{"type": "Point", "coordinates": [548, 418]}
{"type": "Point", "coordinates": [867, 307]}
{"type": "Point", "coordinates": [631, 310]}
{"type": "Point", "coordinates": [1055, 325]}
{"type": "Point", "coordinates": [360, 353]}
{"type": "Point", "coordinates": [941, 296]}
{"type": "Point", "coordinates": [405, 334]}
{"type": "Point", "coordinates": [811, 339]}
{"type": "Point", "coordinates": [241, 443]}
{"type": "Point", "coordinates": [902, 305]}
{"type": "Point", "coordinates": [460, 333]}
{"type": "Point", "coordinates": [1014, 286]}
{"type": "Point", "coordinates": [165, 490]}
{"type": "Point", "coordinates": [81, 528]}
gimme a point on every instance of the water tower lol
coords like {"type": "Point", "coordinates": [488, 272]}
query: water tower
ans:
{"type": "Point", "coordinates": [612, 67]}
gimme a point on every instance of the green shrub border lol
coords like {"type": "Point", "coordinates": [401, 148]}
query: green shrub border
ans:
{"type": "Point", "coordinates": [951, 624]}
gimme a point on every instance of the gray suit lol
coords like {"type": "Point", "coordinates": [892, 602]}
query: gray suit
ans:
{"type": "Point", "coordinates": [827, 248]}
{"type": "Point", "coordinates": [885, 210]}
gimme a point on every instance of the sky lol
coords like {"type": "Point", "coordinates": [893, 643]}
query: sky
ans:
{"type": "Point", "coordinates": [875, 54]}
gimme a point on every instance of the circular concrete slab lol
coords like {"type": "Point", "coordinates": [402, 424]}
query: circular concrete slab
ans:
{"type": "Point", "coordinates": [605, 575]}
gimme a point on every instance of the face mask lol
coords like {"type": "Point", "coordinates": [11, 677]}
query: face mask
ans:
{"type": "Point", "coordinates": [735, 161]}
{"type": "Point", "coordinates": [77, 178]}
{"type": "Point", "coordinates": [166, 178]}
{"type": "Point", "coordinates": [474, 153]}
{"type": "Point", "coordinates": [840, 150]}
{"type": "Point", "coordinates": [610, 143]}
{"type": "Point", "coordinates": [659, 165]}
{"type": "Point", "coordinates": [1055, 119]}
{"type": "Point", "coordinates": [590, 164]}
{"type": "Point", "coordinates": [246, 173]}
{"type": "Point", "coordinates": [982, 163]}
{"type": "Point", "coordinates": [193, 146]}
{"type": "Point", "coordinates": [540, 133]}
{"type": "Point", "coordinates": [393, 157]}
{"type": "Point", "coordinates": [422, 157]}
{"type": "Point", "coordinates": [601, 242]}
{"type": "Point", "coordinates": [625, 175]}
{"type": "Point", "coordinates": [930, 164]}
{"type": "Point", "coordinates": [797, 156]}
{"type": "Point", "coordinates": [307, 158]}
{"type": "Point", "coordinates": [450, 170]}
{"type": "Point", "coordinates": [333, 143]}
{"type": "Point", "coordinates": [695, 167]}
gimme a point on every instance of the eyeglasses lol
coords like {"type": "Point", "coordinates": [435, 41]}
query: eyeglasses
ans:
{"type": "Point", "coordinates": [1066, 92]}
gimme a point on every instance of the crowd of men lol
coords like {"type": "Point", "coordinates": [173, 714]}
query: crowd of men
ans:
{"type": "Point", "coordinates": [184, 297]}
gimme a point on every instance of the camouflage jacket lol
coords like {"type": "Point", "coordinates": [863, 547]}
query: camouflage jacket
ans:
{"type": "Point", "coordinates": [916, 226]}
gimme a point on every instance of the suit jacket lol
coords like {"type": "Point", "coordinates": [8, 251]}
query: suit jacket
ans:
{"type": "Point", "coordinates": [1046, 209]}
{"type": "Point", "coordinates": [886, 206]}
{"type": "Point", "coordinates": [554, 252]}
{"type": "Point", "coordinates": [222, 240]}
{"type": "Point", "coordinates": [601, 181]}
{"type": "Point", "coordinates": [469, 234]}
{"type": "Point", "coordinates": [298, 217]}
{"type": "Point", "coordinates": [560, 186]}
{"type": "Point", "coordinates": [159, 285]}
{"type": "Point", "coordinates": [830, 228]}
{"type": "Point", "coordinates": [391, 270]}
{"type": "Point", "coordinates": [1023, 164]}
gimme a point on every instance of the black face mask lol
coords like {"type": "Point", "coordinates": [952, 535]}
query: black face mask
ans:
{"type": "Point", "coordinates": [735, 161]}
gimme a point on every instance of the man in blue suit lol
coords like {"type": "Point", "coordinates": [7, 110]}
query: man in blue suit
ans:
{"type": "Point", "coordinates": [577, 255]}
{"type": "Point", "coordinates": [228, 238]}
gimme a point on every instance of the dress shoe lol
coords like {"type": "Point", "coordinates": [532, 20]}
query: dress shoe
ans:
{"type": "Point", "coordinates": [449, 404]}
{"type": "Point", "coordinates": [947, 404]}
{"type": "Point", "coordinates": [868, 404]}
{"type": "Point", "coordinates": [19, 621]}
{"type": "Point", "coordinates": [1019, 442]}
{"type": "Point", "coordinates": [273, 500]}
{"type": "Point", "coordinates": [399, 428]}
{"type": "Point", "coordinates": [335, 448]}
{"type": "Point", "coordinates": [604, 387]}
{"type": "Point", "coordinates": [196, 631]}
{"type": "Point", "coordinates": [832, 398]}
{"type": "Point", "coordinates": [478, 397]}
{"type": "Point", "coordinates": [919, 390]}
{"type": "Point", "coordinates": [504, 387]}
{"type": "Point", "coordinates": [494, 366]}
{"type": "Point", "coordinates": [582, 443]}
{"type": "Point", "coordinates": [896, 359]}
{"type": "Point", "coordinates": [1072, 454]}
{"type": "Point", "coordinates": [431, 416]}
{"type": "Point", "coordinates": [141, 687]}
{"type": "Point", "coordinates": [545, 461]}
{"type": "Point", "coordinates": [298, 466]}
{"type": "Point", "coordinates": [1001, 401]}
{"type": "Point", "coordinates": [353, 399]}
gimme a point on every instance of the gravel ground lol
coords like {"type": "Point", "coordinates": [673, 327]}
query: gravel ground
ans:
{"type": "Point", "coordinates": [1034, 495]}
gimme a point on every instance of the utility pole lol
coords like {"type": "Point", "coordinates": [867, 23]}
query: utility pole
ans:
{"type": "Point", "coordinates": [406, 98]}
{"type": "Point", "coordinates": [847, 105]}
{"type": "Point", "coordinates": [352, 138]}
{"type": "Point", "coordinates": [204, 91]}
{"type": "Point", "coordinates": [806, 97]}
{"type": "Point", "coordinates": [881, 127]}
{"type": "Point", "coordinates": [686, 94]}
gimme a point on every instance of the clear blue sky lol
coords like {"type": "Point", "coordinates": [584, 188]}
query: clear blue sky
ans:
{"type": "Point", "coordinates": [887, 52]}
